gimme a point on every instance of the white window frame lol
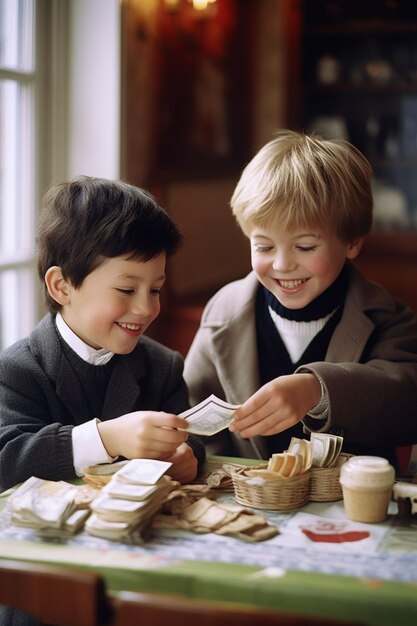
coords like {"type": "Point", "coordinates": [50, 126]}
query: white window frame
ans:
{"type": "Point", "coordinates": [18, 191]}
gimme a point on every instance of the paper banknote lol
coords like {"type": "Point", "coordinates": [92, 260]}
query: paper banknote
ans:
{"type": "Point", "coordinates": [210, 416]}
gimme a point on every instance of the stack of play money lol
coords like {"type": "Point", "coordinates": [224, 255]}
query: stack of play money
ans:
{"type": "Point", "coordinates": [54, 508]}
{"type": "Point", "coordinates": [130, 499]}
{"type": "Point", "coordinates": [323, 449]}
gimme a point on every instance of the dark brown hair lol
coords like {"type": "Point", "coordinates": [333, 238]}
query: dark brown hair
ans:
{"type": "Point", "coordinates": [88, 219]}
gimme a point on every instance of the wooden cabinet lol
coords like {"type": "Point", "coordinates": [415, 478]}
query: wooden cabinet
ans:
{"type": "Point", "coordinates": [357, 80]}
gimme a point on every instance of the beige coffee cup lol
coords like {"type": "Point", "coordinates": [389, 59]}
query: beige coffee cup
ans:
{"type": "Point", "coordinates": [367, 483]}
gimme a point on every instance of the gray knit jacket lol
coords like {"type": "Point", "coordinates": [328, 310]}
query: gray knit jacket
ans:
{"type": "Point", "coordinates": [42, 399]}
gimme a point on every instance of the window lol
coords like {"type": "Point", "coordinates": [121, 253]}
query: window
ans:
{"type": "Point", "coordinates": [53, 126]}
{"type": "Point", "coordinates": [17, 169]}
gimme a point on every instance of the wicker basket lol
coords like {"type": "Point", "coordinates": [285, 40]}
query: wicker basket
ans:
{"type": "Point", "coordinates": [96, 481]}
{"type": "Point", "coordinates": [280, 494]}
{"type": "Point", "coordinates": [325, 485]}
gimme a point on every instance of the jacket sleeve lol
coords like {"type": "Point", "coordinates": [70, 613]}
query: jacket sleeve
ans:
{"type": "Point", "coordinates": [374, 400]}
{"type": "Point", "coordinates": [33, 440]}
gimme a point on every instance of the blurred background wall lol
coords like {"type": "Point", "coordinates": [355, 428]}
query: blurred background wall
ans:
{"type": "Point", "coordinates": [176, 96]}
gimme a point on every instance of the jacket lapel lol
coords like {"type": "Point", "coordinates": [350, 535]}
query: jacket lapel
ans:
{"type": "Point", "coordinates": [355, 327]}
{"type": "Point", "coordinates": [239, 365]}
{"type": "Point", "coordinates": [350, 336]}
{"type": "Point", "coordinates": [126, 374]}
{"type": "Point", "coordinates": [46, 347]}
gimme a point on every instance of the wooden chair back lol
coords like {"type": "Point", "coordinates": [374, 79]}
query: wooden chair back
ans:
{"type": "Point", "coordinates": [62, 596]}
{"type": "Point", "coordinates": [132, 609]}
{"type": "Point", "coordinates": [65, 596]}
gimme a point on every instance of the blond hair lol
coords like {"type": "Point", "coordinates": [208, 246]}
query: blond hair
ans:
{"type": "Point", "coordinates": [298, 180]}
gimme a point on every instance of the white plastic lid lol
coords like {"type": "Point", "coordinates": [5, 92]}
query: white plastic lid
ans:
{"type": "Point", "coordinates": [367, 472]}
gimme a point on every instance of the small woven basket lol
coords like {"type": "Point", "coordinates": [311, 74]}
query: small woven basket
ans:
{"type": "Point", "coordinates": [277, 494]}
{"type": "Point", "coordinates": [96, 481]}
{"type": "Point", "coordinates": [325, 484]}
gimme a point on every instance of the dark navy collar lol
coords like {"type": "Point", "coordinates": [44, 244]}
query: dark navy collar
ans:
{"type": "Point", "coordinates": [323, 305]}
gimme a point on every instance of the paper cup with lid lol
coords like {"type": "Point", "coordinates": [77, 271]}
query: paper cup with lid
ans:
{"type": "Point", "coordinates": [367, 483]}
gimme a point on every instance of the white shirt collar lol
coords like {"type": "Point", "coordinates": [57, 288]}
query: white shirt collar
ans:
{"type": "Point", "coordinates": [86, 352]}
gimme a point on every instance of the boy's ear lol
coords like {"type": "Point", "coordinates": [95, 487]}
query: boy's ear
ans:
{"type": "Point", "coordinates": [58, 287]}
{"type": "Point", "coordinates": [354, 247]}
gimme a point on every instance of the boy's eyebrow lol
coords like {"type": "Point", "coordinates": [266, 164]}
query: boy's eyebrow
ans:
{"type": "Point", "coordinates": [134, 277]}
{"type": "Point", "coordinates": [298, 236]}
{"type": "Point", "coordinates": [260, 236]}
{"type": "Point", "coordinates": [312, 234]}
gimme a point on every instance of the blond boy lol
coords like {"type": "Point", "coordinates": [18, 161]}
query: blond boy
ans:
{"type": "Point", "coordinates": [304, 342]}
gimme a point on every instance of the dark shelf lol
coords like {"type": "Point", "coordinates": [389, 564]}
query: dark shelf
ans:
{"type": "Point", "coordinates": [363, 27]}
{"type": "Point", "coordinates": [358, 78]}
{"type": "Point", "coordinates": [367, 53]}
{"type": "Point", "coordinates": [362, 88]}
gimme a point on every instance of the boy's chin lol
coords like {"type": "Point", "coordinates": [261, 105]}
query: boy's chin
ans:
{"type": "Point", "coordinates": [127, 350]}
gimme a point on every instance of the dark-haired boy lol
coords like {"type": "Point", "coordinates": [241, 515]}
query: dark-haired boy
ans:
{"type": "Point", "coordinates": [86, 386]}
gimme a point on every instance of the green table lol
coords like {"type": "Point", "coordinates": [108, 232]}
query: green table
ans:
{"type": "Point", "coordinates": [373, 582]}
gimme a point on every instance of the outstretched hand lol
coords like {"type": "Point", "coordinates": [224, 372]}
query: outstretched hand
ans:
{"type": "Point", "coordinates": [277, 405]}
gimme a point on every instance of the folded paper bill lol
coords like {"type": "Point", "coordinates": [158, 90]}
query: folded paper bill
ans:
{"type": "Point", "coordinates": [210, 416]}
{"type": "Point", "coordinates": [142, 471]}
{"type": "Point", "coordinates": [205, 516]}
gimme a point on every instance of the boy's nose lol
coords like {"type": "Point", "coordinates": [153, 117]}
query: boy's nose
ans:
{"type": "Point", "coordinates": [141, 306]}
{"type": "Point", "coordinates": [283, 261]}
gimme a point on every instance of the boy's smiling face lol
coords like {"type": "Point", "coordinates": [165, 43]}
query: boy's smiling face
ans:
{"type": "Point", "coordinates": [115, 303]}
{"type": "Point", "coordinates": [299, 265]}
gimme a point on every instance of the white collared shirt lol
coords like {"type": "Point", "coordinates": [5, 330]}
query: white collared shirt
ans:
{"type": "Point", "coordinates": [86, 352]}
{"type": "Point", "coordinates": [87, 447]}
